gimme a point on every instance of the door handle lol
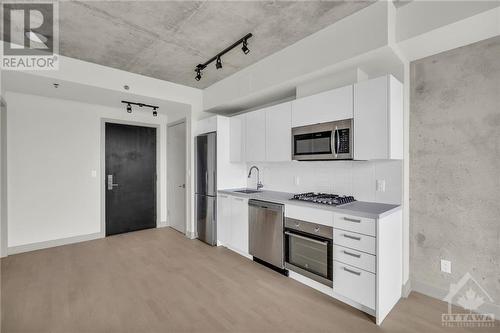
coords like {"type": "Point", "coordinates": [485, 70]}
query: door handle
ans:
{"type": "Point", "coordinates": [111, 185]}
{"type": "Point", "coordinates": [183, 186]}
{"type": "Point", "coordinates": [352, 254]}
{"type": "Point", "coordinates": [352, 220]}
{"type": "Point", "coordinates": [351, 271]}
{"type": "Point", "coordinates": [351, 237]}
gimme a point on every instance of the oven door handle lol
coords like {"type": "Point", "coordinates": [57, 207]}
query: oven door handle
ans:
{"type": "Point", "coordinates": [288, 233]}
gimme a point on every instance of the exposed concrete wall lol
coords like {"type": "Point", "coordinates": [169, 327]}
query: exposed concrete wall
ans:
{"type": "Point", "coordinates": [455, 167]}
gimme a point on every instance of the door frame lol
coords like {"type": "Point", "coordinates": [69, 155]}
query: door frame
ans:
{"type": "Point", "coordinates": [186, 174]}
{"type": "Point", "coordinates": [103, 167]}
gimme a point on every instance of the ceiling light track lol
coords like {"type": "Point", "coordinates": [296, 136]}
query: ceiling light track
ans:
{"type": "Point", "coordinates": [217, 57]}
{"type": "Point", "coordinates": [129, 107]}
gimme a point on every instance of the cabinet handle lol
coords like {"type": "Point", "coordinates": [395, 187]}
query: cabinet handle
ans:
{"type": "Point", "coordinates": [351, 237]}
{"type": "Point", "coordinates": [351, 271]}
{"type": "Point", "coordinates": [352, 254]}
{"type": "Point", "coordinates": [239, 199]}
{"type": "Point", "coordinates": [352, 220]}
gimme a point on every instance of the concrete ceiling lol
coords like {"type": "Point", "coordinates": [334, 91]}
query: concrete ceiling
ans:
{"type": "Point", "coordinates": [167, 39]}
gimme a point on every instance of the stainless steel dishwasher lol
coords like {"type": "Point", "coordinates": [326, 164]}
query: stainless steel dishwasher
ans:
{"type": "Point", "coordinates": [266, 232]}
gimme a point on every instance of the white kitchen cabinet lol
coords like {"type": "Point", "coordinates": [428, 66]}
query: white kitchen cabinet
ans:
{"type": "Point", "coordinates": [223, 219]}
{"type": "Point", "coordinates": [255, 136]}
{"type": "Point", "coordinates": [237, 139]}
{"type": "Point", "coordinates": [232, 223]}
{"type": "Point", "coordinates": [324, 107]}
{"type": "Point", "coordinates": [378, 119]}
{"type": "Point", "coordinates": [279, 132]}
{"type": "Point", "coordinates": [354, 283]}
{"type": "Point", "coordinates": [239, 224]}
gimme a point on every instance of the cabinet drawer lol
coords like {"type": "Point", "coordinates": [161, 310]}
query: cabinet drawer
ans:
{"type": "Point", "coordinates": [354, 283]}
{"type": "Point", "coordinates": [319, 216]}
{"type": "Point", "coordinates": [354, 240]}
{"type": "Point", "coordinates": [361, 225]}
{"type": "Point", "coordinates": [354, 258]}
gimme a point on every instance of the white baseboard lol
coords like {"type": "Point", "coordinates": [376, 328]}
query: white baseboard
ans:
{"type": "Point", "coordinates": [440, 294]}
{"type": "Point", "coordinates": [52, 243]}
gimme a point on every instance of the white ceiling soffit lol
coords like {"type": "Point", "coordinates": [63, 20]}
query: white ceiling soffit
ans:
{"type": "Point", "coordinates": [372, 39]}
{"type": "Point", "coordinates": [23, 82]}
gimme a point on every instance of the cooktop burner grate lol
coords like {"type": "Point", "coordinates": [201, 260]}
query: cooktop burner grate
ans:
{"type": "Point", "coordinates": [324, 198]}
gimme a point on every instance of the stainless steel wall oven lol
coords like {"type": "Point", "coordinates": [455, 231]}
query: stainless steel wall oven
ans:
{"type": "Point", "coordinates": [308, 250]}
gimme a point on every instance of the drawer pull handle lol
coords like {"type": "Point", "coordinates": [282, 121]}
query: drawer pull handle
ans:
{"type": "Point", "coordinates": [352, 220]}
{"type": "Point", "coordinates": [239, 199]}
{"type": "Point", "coordinates": [352, 237]}
{"type": "Point", "coordinates": [351, 271]}
{"type": "Point", "coordinates": [352, 254]}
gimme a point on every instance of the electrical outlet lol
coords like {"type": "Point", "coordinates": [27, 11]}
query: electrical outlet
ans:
{"type": "Point", "coordinates": [446, 266]}
{"type": "Point", "coordinates": [93, 173]}
{"type": "Point", "coordinates": [380, 185]}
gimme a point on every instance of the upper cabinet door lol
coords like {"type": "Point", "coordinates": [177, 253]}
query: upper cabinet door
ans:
{"type": "Point", "coordinates": [378, 119]}
{"type": "Point", "coordinates": [279, 133]}
{"type": "Point", "coordinates": [255, 143]}
{"type": "Point", "coordinates": [324, 107]}
{"type": "Point", "coordinates": [237, 139]}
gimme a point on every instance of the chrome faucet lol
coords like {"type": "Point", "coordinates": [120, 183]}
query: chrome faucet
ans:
{"type": "Point", "coordinates": [259, 184]}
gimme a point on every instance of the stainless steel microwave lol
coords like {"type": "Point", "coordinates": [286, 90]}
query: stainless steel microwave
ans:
{"type": "Point", "coordinates": [325, 141]}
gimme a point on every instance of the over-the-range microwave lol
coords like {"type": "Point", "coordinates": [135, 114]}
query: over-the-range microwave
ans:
{"type": "Point", "coordinates": [325, 141]}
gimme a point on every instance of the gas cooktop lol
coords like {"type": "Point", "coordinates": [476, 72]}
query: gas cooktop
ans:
{"type": "Point", "coordinates": [324, 198]}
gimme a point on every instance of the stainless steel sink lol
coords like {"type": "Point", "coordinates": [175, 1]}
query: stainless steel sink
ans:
{"type": "Point", "coordinates": [248, 191]}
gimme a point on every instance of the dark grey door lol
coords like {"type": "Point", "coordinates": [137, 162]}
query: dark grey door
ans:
{"type": "Point", "coordinates": [130, 178]}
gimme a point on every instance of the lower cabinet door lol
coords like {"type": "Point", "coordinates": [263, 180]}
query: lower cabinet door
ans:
{"type": "Point", "coordinates": [223, 219]}
{"type": "Point", "coordinates": [354, 283]}
{"type": "Point", "coordinates": [239, 224]}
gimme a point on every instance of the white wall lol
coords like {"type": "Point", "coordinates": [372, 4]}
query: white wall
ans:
{"type": "Point", "coordinates": [53, 146]}
{"type": "Point", "coordinates": [357, 178]}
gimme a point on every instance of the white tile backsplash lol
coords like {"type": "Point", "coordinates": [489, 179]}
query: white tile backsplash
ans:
{"type": "Point", "coordinates": [357, 178]}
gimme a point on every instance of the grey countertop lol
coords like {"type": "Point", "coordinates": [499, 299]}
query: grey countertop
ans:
{"type": "Point", "coordinates": [358, 208]}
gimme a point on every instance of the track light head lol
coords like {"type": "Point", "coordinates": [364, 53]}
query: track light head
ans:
{"type": "Point", "coordinates": [198, 74]}
{"type": "Point", "coordinates": [155, 113]}
{"type": "Point", "coordinates": [218, 63]}
{"type": "Point", "coordinates": [245, 48]}
{"type": "Point", "coordinates": [129, 108]}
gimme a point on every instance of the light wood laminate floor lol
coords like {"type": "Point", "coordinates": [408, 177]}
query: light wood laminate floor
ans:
{"type": "Point", "coordinates": [158, 281]}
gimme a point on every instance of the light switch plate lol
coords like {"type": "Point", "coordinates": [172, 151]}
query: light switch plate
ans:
{"type": "Point", "coordinates": [446, 266]}
{"type": "Point", "coordinates": [296, 180]}
{"type": "Point", "coordinates": [380, 185]}
{"type": "Point", "coordinates": [93, 173]}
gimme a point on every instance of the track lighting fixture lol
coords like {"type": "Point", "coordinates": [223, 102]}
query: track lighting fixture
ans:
{"type": "Point", "coordinates": [129, 107]}
{"type": "Point", "coordinates": [217, 57]}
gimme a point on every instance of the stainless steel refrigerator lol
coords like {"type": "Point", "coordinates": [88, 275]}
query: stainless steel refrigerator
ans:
{"type": "Point", "coordinates": [206, 187]}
